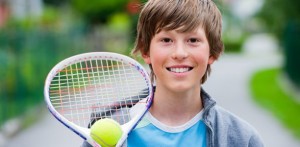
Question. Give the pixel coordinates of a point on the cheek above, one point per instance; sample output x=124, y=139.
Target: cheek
x=202, y=58
x=202, y=63
x=156, y=58
x=156, y=54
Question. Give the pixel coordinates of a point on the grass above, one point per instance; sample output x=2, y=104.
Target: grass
x=266, y=91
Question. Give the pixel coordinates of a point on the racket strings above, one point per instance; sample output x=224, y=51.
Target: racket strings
x=95, y=89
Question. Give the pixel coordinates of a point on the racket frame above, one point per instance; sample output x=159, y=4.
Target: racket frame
x=85, y=132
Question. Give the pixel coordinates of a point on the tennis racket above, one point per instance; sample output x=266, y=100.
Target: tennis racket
x=87, y=87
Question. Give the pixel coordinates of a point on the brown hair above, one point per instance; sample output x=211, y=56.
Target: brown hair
x=187, y=15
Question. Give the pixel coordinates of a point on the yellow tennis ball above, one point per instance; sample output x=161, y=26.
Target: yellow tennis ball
x=106, y=132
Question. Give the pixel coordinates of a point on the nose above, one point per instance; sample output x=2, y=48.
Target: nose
x=180, y=52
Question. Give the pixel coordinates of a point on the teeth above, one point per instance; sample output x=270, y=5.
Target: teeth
x=179, y=70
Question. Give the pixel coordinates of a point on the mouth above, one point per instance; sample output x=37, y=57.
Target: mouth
x=179, y=69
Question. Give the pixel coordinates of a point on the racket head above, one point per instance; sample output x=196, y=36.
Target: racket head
x=87, y=87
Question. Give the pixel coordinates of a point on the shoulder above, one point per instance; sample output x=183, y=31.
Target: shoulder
x=232, y=128
x=226, y=118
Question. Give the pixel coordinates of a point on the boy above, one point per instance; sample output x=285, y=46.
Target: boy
x=179, y=40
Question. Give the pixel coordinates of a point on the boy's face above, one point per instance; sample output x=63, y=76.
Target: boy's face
x=179, y=60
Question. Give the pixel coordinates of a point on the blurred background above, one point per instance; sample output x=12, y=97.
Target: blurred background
x=37, y=34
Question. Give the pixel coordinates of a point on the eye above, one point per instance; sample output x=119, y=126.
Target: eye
x=166, y=40
x=193, y=40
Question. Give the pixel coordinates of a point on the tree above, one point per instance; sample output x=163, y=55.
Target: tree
x=98, y=11
x=277, y=14
x=283, y=19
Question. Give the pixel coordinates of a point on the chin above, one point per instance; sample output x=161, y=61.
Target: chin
x=180, y=88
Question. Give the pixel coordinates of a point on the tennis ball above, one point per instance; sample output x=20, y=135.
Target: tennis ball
x=106, y=132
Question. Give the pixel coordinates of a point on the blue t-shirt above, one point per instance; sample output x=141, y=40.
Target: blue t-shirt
x=151, y=132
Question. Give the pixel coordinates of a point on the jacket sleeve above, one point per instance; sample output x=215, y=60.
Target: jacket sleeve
x=256, y=141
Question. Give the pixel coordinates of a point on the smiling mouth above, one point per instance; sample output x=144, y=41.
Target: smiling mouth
x=180, y=70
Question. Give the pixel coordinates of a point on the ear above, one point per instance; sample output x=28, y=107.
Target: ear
x=146, y=58
x=211, y=60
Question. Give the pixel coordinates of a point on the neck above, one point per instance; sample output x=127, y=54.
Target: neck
x=176, y=109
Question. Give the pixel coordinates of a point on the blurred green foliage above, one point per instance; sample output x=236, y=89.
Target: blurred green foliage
x=28, y=50
x=98, y=11
x=30, y=47
x=234, y=33
x=291, y=44
x=277, y=14
x=282, y=18
x=55, y=3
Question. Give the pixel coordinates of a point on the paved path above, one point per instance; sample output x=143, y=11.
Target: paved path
x=228, y=84
x=48, y=132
